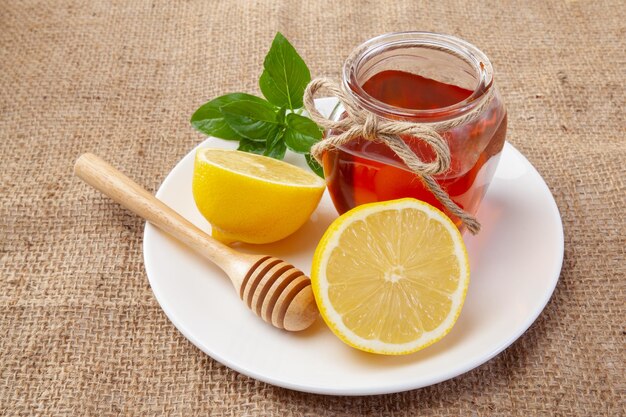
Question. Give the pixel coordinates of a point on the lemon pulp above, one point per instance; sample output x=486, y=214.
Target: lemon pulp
x=391, y=277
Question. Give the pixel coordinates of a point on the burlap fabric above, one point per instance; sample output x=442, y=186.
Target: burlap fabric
x=80, y=332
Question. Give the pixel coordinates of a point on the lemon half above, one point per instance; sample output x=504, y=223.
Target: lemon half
x=391, y=277
x=252, y=198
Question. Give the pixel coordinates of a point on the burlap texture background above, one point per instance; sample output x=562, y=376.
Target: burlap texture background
x=80, y=332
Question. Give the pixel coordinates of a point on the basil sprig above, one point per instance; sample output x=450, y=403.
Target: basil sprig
x=271, y=125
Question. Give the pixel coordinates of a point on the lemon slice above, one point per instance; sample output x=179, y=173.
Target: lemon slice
x=252, y=198
x=391, y=277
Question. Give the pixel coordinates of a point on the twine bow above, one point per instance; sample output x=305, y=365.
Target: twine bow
x=361, y=123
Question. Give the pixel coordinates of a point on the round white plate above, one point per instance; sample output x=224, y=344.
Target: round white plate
x=515, y=264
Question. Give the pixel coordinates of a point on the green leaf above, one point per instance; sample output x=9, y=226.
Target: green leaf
x=251, y=119
x=285, y=75
x=209, y=120
x=247, y=145
x=277, y=148
x=301, y=133
x=314, y=165
x=280, y=116
x=275, y=137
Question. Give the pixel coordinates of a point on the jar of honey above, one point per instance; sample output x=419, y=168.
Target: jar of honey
x=425, y=78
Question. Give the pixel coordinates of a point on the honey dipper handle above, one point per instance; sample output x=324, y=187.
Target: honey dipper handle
x=111, y=182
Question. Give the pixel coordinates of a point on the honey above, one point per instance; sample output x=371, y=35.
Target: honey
x=364, y=171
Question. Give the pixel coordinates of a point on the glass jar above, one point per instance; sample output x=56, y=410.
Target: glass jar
x=421, y=77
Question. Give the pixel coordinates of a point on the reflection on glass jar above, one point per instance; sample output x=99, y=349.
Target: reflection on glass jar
x=426, y=78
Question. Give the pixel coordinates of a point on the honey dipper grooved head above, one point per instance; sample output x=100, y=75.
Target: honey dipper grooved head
x=280, y=294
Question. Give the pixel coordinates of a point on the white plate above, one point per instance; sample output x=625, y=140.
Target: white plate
x=515, y=263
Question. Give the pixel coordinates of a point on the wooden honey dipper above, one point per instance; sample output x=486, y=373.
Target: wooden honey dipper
x=273, y=289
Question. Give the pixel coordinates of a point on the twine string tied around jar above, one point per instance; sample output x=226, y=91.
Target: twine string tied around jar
x=361, y=123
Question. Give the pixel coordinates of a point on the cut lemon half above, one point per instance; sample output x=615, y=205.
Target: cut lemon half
x=391, y=277
x=252, y=198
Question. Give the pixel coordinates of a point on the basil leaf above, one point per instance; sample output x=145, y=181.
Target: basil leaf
x=275, y=137
x=301, y=133
x=250, y=119
x=280, y=116
x=314, y=165
x=285, y=75
x=209, y=120
x=247, y=145
x=276, y=148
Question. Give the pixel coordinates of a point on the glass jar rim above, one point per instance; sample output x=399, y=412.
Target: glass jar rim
x=398, y=40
